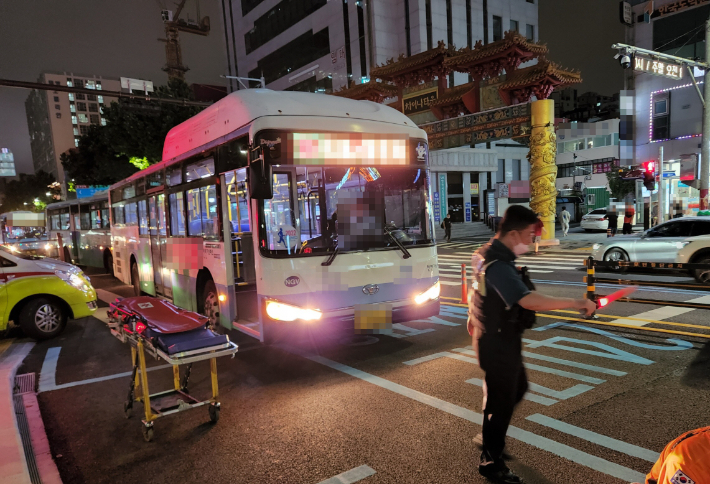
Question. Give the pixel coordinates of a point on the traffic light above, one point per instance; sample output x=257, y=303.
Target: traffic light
x=649, y=175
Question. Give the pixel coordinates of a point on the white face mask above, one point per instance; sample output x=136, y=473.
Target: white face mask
x=521, y=249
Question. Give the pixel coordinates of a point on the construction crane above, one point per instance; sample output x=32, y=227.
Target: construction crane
x=173, y=25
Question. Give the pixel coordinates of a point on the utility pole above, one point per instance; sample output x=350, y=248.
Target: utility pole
x=705, y=147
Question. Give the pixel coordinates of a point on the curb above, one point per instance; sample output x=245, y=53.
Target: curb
x=48, y=472
x=13, y=463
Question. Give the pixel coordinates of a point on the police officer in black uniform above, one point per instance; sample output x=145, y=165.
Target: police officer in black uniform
x=501, y=306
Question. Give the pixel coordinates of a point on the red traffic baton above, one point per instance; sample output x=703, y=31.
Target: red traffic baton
x=606, y=300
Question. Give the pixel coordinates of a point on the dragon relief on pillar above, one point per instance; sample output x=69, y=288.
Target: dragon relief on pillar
x=543, y=172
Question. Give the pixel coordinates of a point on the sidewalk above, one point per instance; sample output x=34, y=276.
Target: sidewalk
x=13, y=465
x=464, y=230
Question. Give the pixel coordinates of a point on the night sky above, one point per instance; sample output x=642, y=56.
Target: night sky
x=118, y=39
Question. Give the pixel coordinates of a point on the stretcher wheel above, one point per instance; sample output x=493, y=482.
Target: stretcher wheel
x=128, y=409
x=214, y=413
x=147, y=433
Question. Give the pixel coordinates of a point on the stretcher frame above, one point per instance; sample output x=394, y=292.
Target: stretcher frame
x=139, y=378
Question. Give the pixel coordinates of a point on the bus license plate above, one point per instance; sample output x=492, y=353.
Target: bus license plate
x=373, y=318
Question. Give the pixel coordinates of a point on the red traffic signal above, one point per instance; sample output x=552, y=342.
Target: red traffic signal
x=649, y=166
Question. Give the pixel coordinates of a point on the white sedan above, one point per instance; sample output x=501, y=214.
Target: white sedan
x=597, y=220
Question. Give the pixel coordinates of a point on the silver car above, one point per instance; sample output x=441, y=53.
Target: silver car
x=661, y=243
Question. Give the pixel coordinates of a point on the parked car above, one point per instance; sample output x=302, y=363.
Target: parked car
x=685, y=239
x=40, y=294
x=597, y=220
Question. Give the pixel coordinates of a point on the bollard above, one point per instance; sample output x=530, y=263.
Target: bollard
x=60, y=248
x=590, y=279
x=464, y=297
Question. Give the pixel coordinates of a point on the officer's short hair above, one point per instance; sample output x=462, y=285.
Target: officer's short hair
x=516, y=217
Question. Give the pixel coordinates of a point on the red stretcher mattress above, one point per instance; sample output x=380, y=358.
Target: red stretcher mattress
x=162, y=316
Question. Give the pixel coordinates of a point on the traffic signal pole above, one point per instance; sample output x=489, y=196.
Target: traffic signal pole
x=705, y=147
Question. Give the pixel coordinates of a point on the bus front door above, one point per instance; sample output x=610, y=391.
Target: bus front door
x=157, y=243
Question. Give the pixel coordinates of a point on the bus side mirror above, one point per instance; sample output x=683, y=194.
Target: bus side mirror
x=259, y=177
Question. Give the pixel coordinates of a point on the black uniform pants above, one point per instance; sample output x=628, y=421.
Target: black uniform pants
x=505, y=385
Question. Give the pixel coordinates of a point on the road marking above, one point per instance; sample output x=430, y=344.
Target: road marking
x=599, y=439
x=528, y=396
x=551, y=359
x=353, y=475
x=529, y=366
x=678, y=344
x=664, y=312
x=47, y=376
x=530, y=438
x=96, y=380
x=409, y=331
x=661, y=313
x=435, y=320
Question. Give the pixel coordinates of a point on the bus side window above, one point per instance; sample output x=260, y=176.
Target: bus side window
x=194, y=219
x=142, y=217
x=105, y=222
x=85, y=217
x=118, y=215
x=131, y=214
x=177, y=216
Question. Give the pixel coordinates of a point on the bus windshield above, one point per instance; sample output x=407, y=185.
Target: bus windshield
x=318, y=209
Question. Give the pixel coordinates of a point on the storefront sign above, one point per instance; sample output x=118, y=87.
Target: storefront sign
x=474, y=188
x=677, y=7
x=625, y=14
x=418, y=102
x=504, y=123
x=442, y=193
x=658, y=68
x=468, y=211
x=437, y=218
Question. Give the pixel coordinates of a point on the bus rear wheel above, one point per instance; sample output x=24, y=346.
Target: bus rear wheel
x=135, y=279
x=209, y=304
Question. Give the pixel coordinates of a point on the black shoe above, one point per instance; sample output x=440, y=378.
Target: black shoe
x=500, y=476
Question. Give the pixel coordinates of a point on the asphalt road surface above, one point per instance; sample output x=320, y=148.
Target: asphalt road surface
x=603, y=401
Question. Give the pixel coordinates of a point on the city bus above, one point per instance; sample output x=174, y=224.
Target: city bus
x=275, y=209
x=24, y=231
x=82, y=228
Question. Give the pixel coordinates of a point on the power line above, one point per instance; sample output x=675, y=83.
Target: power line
x=117, y=94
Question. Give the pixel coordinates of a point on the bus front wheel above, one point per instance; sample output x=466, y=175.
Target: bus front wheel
x=135, y=279
x=209, y=304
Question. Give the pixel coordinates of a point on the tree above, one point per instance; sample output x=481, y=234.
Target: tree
x=619, y=187
x=95, y=161
x=29, y=192
x=132, y=138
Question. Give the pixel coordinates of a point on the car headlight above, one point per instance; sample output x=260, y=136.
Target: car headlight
x=73, y=280
x=431, y=293
x=286, y=312
x=596, y=246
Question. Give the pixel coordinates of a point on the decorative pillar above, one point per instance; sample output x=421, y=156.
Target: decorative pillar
x=543, y=169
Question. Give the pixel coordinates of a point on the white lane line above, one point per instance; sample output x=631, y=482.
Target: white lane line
x=409, y=331
x=353, y=475
x=530, y=438
x=96, y=380
x=603, y=440
x=468, y=351
x=47, y=376
x=528, y=396
x=659, y=314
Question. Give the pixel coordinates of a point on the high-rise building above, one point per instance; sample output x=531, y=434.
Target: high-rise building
x=57, y=119
x=324, y=45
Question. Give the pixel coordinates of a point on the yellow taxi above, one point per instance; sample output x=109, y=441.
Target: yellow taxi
x=40, y=294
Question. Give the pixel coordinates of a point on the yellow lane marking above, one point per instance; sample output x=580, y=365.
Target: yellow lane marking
x=697, y=326
x=591, y=321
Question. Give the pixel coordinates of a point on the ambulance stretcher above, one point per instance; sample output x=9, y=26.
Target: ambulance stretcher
x=177, y=336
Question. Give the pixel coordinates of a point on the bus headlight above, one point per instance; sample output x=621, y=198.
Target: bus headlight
x=431, y=293
x=286, y=312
